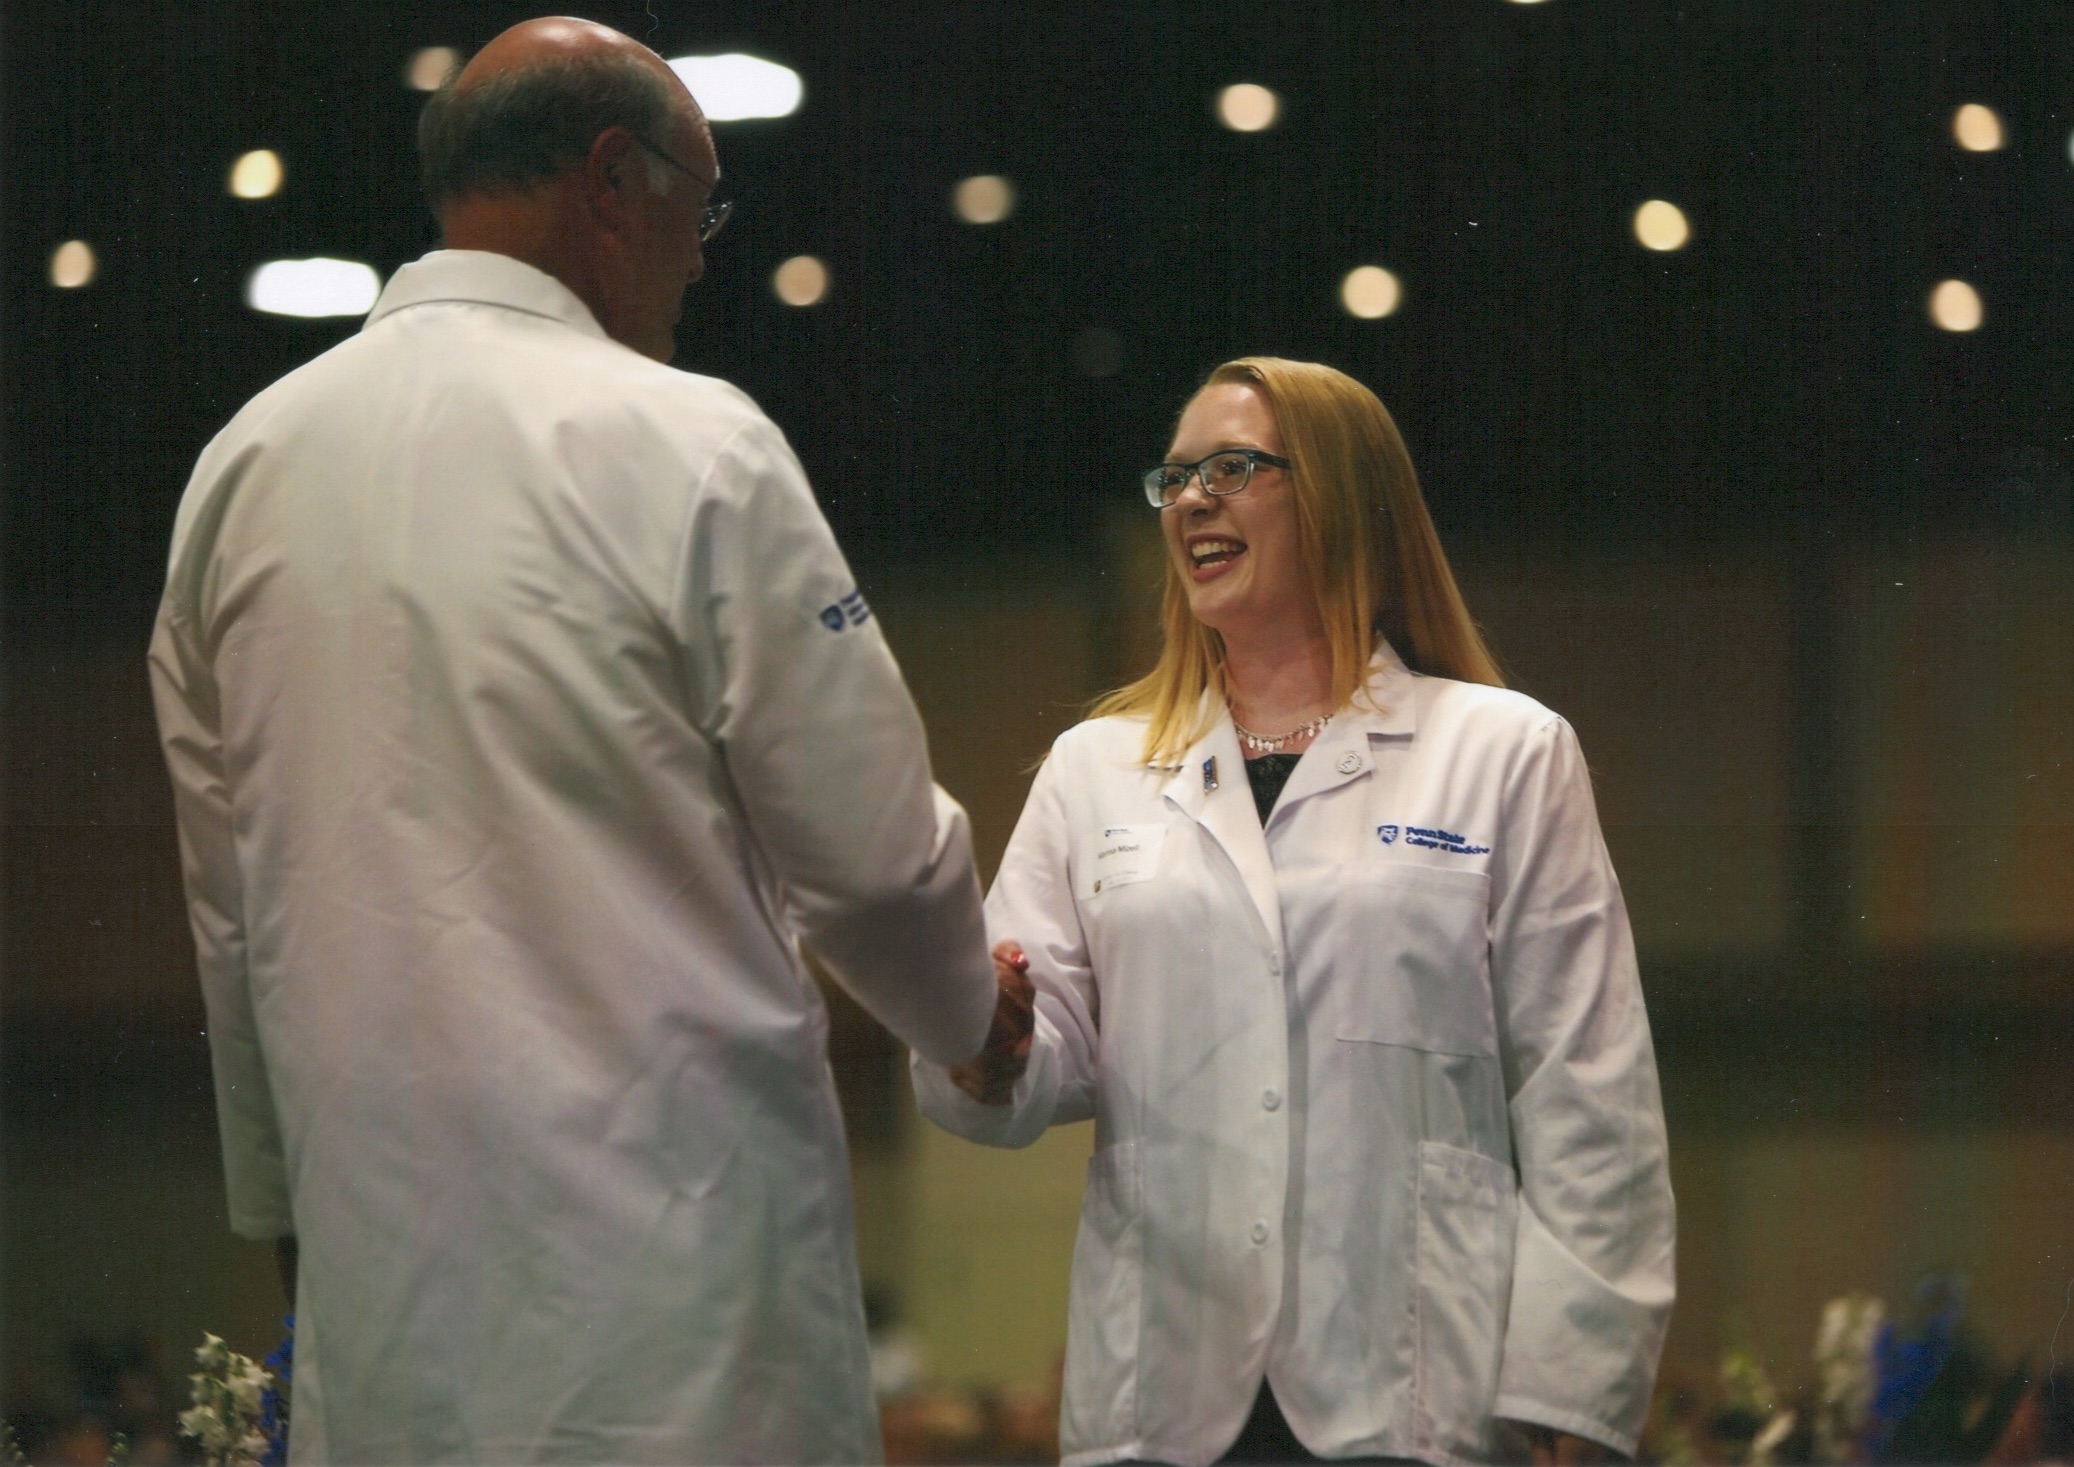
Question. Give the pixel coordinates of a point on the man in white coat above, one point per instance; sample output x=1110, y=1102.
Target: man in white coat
x=523, y=721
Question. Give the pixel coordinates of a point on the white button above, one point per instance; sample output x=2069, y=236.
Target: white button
x=1348, y=763
x=1271, y=1098
x=1260, y=1232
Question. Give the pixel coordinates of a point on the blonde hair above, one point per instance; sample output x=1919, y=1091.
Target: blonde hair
x=1367, y=547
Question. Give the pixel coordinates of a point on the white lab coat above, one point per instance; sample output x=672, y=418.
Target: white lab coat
x=1375, y=1106
x=522, y=719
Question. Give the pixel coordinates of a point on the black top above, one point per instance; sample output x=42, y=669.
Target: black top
x=1267, y=774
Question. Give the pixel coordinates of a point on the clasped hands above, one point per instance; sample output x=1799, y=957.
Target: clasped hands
x=989, y=1077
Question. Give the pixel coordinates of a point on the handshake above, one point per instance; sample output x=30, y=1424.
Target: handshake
x=989, y=1077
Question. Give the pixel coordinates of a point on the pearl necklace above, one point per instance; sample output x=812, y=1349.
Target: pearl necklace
x=1262, y=744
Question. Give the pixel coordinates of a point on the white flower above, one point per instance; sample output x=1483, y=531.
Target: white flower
x=246, y=1382
x=1846, y=1373
x=225, y=1417
x=201, y=1423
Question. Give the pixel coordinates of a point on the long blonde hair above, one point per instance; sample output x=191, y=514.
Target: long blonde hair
x=1368, y=551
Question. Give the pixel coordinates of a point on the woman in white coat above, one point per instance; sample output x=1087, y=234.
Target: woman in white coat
x=1325, y=940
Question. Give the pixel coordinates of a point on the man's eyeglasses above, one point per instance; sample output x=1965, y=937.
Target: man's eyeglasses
x=715, y=215
x=1226, y=471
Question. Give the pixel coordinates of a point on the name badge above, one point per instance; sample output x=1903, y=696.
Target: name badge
x=1118, y=855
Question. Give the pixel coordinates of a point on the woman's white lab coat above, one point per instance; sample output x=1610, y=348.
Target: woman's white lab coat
x=1375, y=1105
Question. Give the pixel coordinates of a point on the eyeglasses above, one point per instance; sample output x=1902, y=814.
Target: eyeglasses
x=715, y=215
x=1226, y=471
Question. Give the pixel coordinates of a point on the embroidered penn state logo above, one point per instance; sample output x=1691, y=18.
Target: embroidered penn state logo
x=1387, y=834
x=846, y=611
x=1448, y=842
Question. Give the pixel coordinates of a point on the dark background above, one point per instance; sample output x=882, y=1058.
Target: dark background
x=1775, y=378
x=1771, y=397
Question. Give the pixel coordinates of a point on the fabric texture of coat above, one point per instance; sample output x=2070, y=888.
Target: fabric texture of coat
x=1375, y=1103
x=523, y=720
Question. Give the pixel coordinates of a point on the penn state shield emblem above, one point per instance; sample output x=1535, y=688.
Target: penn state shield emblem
x=1387, y=834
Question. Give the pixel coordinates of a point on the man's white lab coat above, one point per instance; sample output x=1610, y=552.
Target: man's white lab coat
x=1375, y=1104
x=522, y=716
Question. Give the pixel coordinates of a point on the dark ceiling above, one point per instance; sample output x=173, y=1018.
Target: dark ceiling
x=1777, y=377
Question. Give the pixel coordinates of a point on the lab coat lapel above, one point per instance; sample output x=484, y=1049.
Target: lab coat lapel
x=1226, y=811
x=1345, y=751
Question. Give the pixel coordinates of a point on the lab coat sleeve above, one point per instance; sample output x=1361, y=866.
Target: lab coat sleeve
x=190, y=729
x=1032, y=903
x=1593, y=1276
x=793, y=680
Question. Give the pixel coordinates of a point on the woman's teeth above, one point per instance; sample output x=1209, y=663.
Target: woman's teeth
x=1209, y=552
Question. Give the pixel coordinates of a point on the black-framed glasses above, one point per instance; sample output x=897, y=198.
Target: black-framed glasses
x=713, y=218
x=1226, y=471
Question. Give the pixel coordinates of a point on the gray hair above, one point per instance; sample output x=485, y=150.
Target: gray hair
x=522, y=127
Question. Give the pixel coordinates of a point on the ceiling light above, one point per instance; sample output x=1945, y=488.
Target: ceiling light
x=733, y=87
x=318, y=287
x=1661, y=226
x=1370, y=292
x=801, y=281
x=985, y=199
x=1248, y=108
x=72, y=265
x=1977, y=128
x=256, y=175
x=427, y=70
x=1955, y=306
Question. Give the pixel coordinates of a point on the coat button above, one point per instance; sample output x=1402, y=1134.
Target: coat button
x=1348, y=763
x=1271, y=1098
x=1260, y=1232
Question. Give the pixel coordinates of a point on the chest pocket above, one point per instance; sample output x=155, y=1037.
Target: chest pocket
x=1417, y=968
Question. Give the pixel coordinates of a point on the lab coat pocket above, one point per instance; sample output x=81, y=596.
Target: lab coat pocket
x=1419, y=939
x=1105, y=1308
x=1468, y=1210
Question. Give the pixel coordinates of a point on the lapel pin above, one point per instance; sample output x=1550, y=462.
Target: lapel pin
x=1209, y=774
x=1349, y=762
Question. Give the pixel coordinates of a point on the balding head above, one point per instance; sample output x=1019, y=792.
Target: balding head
x=531, y=103
x=569, y=146
x=554, y=36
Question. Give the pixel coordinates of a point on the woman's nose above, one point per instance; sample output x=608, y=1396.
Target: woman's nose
x=1193, y=496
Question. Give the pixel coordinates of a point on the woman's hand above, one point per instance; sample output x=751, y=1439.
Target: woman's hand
x=989, y=1077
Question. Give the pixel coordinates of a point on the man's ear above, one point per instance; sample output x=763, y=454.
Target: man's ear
x=612, y=173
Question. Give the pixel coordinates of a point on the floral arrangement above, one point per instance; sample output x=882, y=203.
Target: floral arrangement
x=1918, y=1389
x=240, y=1412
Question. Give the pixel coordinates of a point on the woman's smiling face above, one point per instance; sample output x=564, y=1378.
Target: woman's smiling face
x=1237, y=553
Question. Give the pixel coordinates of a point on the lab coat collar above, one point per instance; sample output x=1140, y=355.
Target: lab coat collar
x=1212, y=790
x=487, y=279
x=1211, y=787
x=1345, y=750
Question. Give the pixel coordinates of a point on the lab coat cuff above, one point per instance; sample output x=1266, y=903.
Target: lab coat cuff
x=1573, y=1337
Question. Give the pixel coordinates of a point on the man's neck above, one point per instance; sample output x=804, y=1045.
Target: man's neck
x=531, y=228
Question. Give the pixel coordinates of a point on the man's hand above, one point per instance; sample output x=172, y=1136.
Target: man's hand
x=989, y=1077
